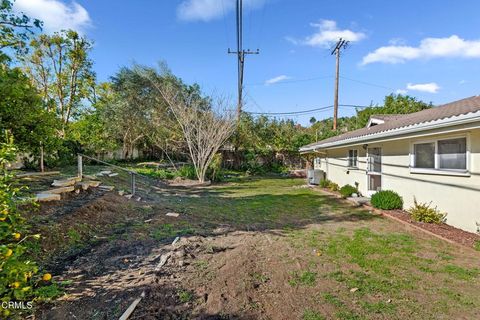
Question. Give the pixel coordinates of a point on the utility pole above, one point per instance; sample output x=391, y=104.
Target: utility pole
x=240, y=56
x=336, y=51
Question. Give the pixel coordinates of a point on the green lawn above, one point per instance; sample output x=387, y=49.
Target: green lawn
x=360, y=265
x=328, y=259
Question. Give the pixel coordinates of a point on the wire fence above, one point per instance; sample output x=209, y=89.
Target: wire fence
x=124, y=179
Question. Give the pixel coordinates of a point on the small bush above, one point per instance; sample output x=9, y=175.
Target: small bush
x=347, y=190
x=476, y=245
x=187, y=172
x=423, y=212
x=333, y=186
x=324, y=183
x=387, y=200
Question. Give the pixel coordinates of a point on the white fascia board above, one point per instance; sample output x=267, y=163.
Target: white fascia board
x=436, y=124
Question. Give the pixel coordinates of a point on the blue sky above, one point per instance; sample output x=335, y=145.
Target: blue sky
x=429, y=49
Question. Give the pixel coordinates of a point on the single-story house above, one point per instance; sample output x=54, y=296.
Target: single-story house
x=432, y=155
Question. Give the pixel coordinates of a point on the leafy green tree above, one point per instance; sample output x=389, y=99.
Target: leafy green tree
x=393, y=104
x=22, y=113
x=92, y=129
x=60, y=67
x=15, y=29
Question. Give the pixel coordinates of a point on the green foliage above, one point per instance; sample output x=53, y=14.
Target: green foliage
x=18, y=280
x=22, y=113
x=387, y=200
x=393, y=104
x=312, y=315
x=324, y=183
x=15, y=29
x=162, y=174
x=476, y=245
x=423, y=212
x=306, y=278
x=61, y=69
x=347, y=190
x=333, y=186
x=185, y=296
x=187, y=172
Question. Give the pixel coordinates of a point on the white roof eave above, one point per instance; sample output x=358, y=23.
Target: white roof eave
x=435, y=124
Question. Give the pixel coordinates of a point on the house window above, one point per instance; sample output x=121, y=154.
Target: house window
x=424, y=155
x=353, y=158
x=318, y=161
x=452, y=154
x=448, y=154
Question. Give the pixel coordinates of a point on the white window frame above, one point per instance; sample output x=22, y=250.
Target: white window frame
x=436, y=169
x=355, y=166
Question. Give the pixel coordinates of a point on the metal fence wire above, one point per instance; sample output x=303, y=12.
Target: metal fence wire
x=123, y=179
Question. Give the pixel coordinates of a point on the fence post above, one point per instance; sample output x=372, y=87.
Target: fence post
x=133, y=182
x=80, y=165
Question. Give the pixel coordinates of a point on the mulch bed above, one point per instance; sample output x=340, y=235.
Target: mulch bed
x=444, y=230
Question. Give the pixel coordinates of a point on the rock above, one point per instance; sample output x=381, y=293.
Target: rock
x=107, y=188
x=354, y=195
x=113, y=174
x=63, y=183
x=61, y=190
x=353, y=289
x=172, y=214
x=180, y=253
x=181, y=263
x=121, y=192
x=104, y=173
x=76, y=179
x=44, y=197
x=89, y=177
x=128, y=196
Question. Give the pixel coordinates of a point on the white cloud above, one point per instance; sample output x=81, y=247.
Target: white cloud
x=401, y=91
x=277, y=79
x=431, y=87
x=462, y=82
x=326, y=34
x=206, y=10
x=453, y=46
x=55, y=14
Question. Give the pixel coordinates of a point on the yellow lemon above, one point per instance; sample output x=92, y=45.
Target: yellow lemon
x=47, y=277
x=8, y=253
x=2, y=218
x=16, y=235
x=16, y=284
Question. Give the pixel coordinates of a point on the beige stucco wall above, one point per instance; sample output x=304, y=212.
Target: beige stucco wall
x=459, y=196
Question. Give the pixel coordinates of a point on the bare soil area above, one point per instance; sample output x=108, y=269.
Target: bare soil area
x=255, y=249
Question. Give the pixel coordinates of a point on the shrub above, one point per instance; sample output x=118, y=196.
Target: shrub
x=18, y=273
x=347, y=190
x=476, y=245
x=387, y=200
x=187, y=172
x=333, y=186
x=423, y=212
x=324, y=183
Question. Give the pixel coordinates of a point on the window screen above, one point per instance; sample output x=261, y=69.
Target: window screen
x=352, y=158
x=424, y=155
x=452, y=154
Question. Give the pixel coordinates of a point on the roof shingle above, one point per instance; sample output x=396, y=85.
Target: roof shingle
x=392, y=122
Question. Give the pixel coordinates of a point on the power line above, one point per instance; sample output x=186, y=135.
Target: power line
x=368, y=83
x=289, y=81
x=303, y=112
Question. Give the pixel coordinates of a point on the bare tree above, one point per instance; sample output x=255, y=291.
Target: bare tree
x=206, y=124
